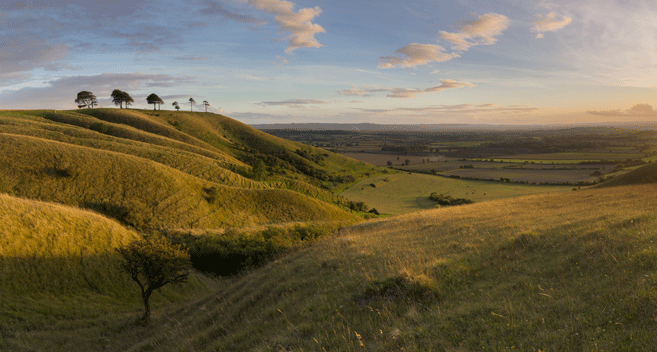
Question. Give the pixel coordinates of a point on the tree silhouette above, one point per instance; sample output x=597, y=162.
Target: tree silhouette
x=86, y=99
x=127, y=99
x=176, y=106
x=153, y=263
x=117, y=97
x=206, y=104
x=154, y=99
x=191, y=103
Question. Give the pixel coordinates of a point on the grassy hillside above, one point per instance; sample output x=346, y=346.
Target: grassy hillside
x=404, y=193
x=646, y=174
x=59, y=272
x=559, y=272
x=152, y=169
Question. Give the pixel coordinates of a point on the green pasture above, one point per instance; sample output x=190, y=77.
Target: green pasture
x=404, y=193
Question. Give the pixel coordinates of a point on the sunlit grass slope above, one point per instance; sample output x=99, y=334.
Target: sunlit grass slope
x=404, y=193
x=571, y=271
x=153, y=169
x=142, y=193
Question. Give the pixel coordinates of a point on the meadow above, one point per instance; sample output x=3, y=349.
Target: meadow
x=559, y=272
x=402, y=193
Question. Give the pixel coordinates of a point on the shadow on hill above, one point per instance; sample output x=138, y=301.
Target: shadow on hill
x=644, y=175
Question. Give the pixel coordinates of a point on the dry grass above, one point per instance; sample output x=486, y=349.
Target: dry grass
x=570, y=271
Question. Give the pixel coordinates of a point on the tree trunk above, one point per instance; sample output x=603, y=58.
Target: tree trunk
x=154, y=106
x=146, y=295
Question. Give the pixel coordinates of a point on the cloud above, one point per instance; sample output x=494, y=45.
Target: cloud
x=362, y=92
x=19, y=56
x=211, y=7
x=416, y=54
x=636, y=110
x=60, y=93
x=298, y=24
x=403, y=93
x=280, y=61
x=434, y=72
x=356, y=102
x=454, y=110
x=481, y=31
x=192, y=58
x=293, y=103
x=549, y=23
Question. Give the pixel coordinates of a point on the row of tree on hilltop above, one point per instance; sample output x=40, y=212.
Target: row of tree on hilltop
x=87, y=99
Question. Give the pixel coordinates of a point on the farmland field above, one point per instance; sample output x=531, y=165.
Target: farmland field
x=404, y=193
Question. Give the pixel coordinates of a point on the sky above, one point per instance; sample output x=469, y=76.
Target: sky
x=340, y=61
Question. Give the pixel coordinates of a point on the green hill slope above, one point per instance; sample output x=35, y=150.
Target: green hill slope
x=646, y=174
x=143, y=193
x=152, y=169
x=563, y=272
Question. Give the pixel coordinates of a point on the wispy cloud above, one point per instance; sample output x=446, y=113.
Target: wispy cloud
x=549, y=23
x=458, y=109
x=280, y=61
x=60, y=93
x=403, y=93
x=211, y=7
x=293, y=103
x=365, y=91
x=298, y=24
x=193, y=58
x=416, y=54
x=636, y=110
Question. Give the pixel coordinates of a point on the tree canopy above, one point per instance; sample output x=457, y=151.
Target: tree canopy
x=176, y=106
x=191, y=103
x=153, y=263
x=119, y=97
x=86, y=99
x=154, y=99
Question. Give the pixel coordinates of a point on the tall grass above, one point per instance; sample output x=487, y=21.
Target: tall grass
x=558, y=272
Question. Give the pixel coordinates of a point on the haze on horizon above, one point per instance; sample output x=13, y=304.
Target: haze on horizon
x=307, y=61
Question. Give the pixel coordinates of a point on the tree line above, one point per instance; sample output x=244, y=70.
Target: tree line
x=86, y=99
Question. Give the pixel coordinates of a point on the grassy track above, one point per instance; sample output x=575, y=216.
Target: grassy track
x=405, y=193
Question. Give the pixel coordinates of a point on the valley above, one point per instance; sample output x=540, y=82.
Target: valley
x=288, y=253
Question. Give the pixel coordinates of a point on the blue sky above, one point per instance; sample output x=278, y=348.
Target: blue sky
x=273, y=61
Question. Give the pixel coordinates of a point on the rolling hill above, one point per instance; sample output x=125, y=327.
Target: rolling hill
x=151, y=169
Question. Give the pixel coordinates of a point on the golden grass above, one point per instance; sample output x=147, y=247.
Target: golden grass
x=568, y=271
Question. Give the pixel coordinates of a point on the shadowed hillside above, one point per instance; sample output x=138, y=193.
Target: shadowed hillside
x=646, y=174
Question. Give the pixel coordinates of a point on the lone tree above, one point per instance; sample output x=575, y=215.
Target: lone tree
x=176, y=106
x=191, y=103
x=206, y=104
x=119, y=97
x=86, y=99
x=154, y=99
x=153, y=263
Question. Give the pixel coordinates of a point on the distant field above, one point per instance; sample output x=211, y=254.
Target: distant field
x=397, y=160
x=528, y=175
x=405, y=193
x=573, y=156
